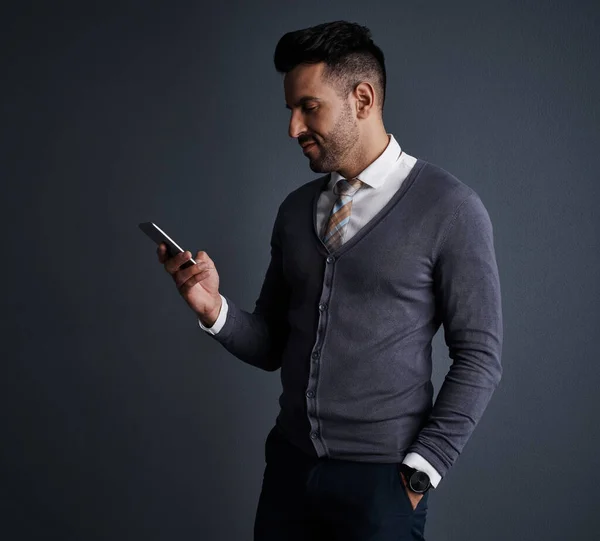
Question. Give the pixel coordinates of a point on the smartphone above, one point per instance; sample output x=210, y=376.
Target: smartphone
x=159, y=236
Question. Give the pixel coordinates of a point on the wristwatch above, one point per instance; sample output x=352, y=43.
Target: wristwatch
x=417, y=481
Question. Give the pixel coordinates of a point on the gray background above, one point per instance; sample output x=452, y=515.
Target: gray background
x=120, y=419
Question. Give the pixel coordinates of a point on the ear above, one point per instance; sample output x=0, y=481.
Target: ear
x=365, y=99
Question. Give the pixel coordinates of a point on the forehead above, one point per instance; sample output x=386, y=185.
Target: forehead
x=305, y=80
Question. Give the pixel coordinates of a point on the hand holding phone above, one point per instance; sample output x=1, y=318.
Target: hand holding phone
x=160, y=237
x=197, y=280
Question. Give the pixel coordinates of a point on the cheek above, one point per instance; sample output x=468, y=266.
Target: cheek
x=319, y=125
x=317, y=131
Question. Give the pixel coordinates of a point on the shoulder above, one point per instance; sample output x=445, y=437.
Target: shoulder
x=441, y=186
x=440, y=194
x=441, y=202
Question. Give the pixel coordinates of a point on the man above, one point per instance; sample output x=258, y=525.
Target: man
x=367, y=262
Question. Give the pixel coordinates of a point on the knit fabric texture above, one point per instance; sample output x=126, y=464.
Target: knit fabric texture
x=351, y=330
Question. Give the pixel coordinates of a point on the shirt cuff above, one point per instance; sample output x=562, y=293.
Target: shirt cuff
x=416, y=461
x=217, y=325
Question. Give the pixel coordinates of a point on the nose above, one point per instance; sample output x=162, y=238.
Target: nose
x=297, y=125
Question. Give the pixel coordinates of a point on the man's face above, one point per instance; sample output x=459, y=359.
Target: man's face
x=320, y=116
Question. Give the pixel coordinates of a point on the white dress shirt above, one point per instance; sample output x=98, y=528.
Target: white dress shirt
x=381, y=179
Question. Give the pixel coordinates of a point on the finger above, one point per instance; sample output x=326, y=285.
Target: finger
x=162, y=252
x=202, y=256
x=183, y=275
x=186, y=284
x=172, y=264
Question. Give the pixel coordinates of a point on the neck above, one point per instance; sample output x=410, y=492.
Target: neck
x=373, y=147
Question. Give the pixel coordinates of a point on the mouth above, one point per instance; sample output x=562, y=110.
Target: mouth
x=307, y=148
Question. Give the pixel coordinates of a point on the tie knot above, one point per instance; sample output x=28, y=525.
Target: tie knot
x=347, y=187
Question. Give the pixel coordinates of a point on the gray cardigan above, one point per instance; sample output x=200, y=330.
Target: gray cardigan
x=351, y=330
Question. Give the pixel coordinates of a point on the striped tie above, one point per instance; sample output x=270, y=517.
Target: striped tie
x=340, y=213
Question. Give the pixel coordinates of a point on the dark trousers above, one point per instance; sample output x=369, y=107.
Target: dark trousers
x=311, y=499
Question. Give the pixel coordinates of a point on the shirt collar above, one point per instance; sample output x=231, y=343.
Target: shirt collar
x=375, y=173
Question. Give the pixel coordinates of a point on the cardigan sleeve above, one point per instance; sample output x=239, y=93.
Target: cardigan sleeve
x=468, y=302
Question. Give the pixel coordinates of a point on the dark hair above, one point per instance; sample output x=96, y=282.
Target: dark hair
x=347, y=50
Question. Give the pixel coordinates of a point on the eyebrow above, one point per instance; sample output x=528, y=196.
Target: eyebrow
x=302, y=101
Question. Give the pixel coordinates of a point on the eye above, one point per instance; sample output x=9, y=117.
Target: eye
x=307, y=109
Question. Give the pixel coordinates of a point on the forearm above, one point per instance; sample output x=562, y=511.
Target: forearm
x=251, y=337
x=467, y=289
x=459, y=406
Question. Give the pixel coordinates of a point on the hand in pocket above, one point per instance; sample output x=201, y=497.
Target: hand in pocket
x=412, y=496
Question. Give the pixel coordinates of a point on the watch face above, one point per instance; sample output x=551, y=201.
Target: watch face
x=419, y=482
